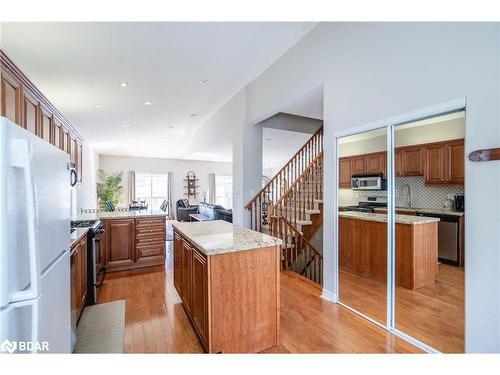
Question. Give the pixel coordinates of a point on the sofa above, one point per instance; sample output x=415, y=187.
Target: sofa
x=223, y=214
x=183, y=209
x=207, y=210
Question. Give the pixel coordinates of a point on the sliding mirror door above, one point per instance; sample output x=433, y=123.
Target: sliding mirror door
x=362, y=223
x=429, y=231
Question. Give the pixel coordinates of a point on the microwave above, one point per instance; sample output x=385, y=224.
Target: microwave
x=373, y=181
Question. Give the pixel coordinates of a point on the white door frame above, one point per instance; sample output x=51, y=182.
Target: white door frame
x=389, y=123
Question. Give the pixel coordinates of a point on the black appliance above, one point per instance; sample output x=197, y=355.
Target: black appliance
x=459, y=202
x=448, y=237
x=95, y=261
x=368, y=204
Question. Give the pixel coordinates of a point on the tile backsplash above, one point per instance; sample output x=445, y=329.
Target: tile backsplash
x=421, y=196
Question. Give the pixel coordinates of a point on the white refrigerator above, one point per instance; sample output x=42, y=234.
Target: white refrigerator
x=34, y=244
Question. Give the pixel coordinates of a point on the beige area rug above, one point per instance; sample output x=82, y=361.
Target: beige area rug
x=101, y=328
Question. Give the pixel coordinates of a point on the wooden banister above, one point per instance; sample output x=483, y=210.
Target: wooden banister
x=272, y=192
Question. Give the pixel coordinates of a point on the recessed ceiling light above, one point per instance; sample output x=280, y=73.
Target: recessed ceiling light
x=126, y=126
x=204, y=82
x=170, y=127
x=98, y=105
x=123, y=84
x=192, y=115
x=147, y=103
x=269, y=139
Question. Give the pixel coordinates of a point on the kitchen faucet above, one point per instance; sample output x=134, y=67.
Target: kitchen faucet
x=408, y=195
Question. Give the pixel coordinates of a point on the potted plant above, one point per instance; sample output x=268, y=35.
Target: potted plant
x=109, y=188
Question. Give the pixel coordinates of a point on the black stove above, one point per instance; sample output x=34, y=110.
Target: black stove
x=368, y=204
x=84, y=224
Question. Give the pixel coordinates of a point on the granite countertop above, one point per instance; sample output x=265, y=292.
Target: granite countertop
x=121, y=214
x=77, y=235
x=400, y=219
x=219, y=237
x=438, y=211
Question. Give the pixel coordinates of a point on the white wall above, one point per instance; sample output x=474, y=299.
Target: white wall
x=86, y=194
x=179, y=168
x=372, y=71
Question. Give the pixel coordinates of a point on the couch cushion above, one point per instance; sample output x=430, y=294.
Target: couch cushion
x=207, y=210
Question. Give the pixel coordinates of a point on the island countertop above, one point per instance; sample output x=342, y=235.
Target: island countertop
x=133, y=214
x=400, y=219
x=219, y=237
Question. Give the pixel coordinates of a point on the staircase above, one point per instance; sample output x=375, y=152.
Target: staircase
x=290, y=207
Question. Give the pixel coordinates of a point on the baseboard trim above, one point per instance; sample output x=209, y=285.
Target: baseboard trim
x=328, y=296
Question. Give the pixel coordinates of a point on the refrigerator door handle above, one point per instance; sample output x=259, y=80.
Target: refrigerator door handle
x=21, y=158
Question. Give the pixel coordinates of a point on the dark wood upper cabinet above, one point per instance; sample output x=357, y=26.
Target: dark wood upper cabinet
x=345, y=173
x=22, y=103
x=358, y=164
x=119, y=242
x=456, y=162
x=444, y=163
x=376, y=163
x=409, y=161
x=31, y=113
x=10, y=98
x=47, y=132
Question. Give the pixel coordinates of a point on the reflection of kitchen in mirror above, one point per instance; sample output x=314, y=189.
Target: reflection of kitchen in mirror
x=363, y=234
x=429, y=184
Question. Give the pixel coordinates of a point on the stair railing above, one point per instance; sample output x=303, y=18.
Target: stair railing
x=299, y=255
x=279, y=184
x=301, y=196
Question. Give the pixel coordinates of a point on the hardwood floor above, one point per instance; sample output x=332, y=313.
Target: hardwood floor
x=432, y=314
x=155, y=321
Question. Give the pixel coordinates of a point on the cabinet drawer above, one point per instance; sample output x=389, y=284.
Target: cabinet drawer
x=150, y=221
x=150, y=230
x=150, y=240
x=144, y=252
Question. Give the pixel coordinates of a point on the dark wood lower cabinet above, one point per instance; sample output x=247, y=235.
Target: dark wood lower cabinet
x=78, y=277
x=231, y=299
x=133, y=243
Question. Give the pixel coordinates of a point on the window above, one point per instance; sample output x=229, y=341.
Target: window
x=224, y=190
x=151, y=188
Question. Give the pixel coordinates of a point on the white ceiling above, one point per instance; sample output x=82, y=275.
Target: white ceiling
x=79, y=65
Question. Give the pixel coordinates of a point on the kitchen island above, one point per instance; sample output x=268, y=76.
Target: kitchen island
x=228, y=279
x=132, y=239
x=363, y=247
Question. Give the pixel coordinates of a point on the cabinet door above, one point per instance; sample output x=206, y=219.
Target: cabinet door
x=345, y=173
x=455, y=162
x=31, y=113
x=46, y=126
x=375, y=163
x=177, y=261
x=57, y=137
x=74, y=284
x=73, y=149
x=358, y=164
x=398, y=162
x=120, y=242
x=10, y=98
x=412, y=161
x=435, y=160
x=199, y=299
x=65, y=139
x=186, y=271
x=83, y=272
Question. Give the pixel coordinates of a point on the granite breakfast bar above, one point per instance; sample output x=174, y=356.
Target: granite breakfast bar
x=365, y=255
x=228, y=279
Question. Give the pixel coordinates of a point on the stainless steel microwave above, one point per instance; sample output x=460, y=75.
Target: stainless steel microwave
x=367, y=181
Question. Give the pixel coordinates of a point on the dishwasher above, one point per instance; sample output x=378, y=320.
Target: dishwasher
x=448, y=237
